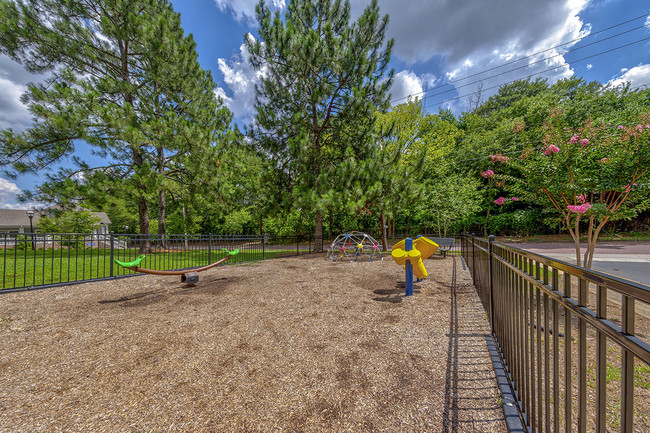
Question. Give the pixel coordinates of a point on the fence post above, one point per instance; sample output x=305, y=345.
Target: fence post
x=473, y=261
x=490, y=240
x=263, y=244
x=210, y=249
x=112, y=249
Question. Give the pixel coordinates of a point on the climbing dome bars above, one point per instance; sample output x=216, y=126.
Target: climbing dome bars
x=354, y=245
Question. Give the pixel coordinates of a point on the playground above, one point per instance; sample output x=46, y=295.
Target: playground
x=298, y=344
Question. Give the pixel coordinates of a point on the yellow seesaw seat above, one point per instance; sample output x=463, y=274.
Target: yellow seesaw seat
x=423, y=248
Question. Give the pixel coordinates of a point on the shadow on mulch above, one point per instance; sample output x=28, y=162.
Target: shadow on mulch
x=395, y=295
x=210, y=285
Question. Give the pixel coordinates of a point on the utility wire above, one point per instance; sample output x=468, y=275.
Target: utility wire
x=534, y=63
x=539, y=73
x=531, y=55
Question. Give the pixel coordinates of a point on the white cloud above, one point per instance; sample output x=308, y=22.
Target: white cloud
x=589, y=66
x=13, y=114
x=241, y=78
x=13, y=83
x=638, y=76
x=9, y=195
x=245, y=9
x=471, y=36
x=407, y=84
x=457, y=30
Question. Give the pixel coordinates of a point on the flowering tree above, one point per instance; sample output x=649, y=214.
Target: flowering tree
x=590, y=174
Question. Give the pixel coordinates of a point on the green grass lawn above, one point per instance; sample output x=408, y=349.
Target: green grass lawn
x=27, y=268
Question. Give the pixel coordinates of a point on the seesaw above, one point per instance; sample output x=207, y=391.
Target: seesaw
x=188, y=276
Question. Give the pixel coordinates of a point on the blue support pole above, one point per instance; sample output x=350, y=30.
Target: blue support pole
x=409, y=269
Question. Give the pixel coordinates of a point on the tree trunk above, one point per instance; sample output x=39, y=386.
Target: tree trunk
x=187, y=246
x=384, y=241
x=331, y=239
x=143, y=213
x=143, y=205
x=162, y=217
x=576, y=239
x=162, y=201
x=261, y=229
x=318, y=236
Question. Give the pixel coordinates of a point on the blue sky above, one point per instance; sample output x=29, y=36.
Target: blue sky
x=436, y=41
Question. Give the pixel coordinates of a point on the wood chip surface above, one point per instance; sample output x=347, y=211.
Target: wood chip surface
x=296, y=344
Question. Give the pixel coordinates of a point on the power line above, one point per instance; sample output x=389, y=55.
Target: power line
x=538, y=73
x=534, y=54
x=534, y=63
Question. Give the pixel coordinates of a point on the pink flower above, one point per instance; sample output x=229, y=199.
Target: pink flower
x=499, y=158
x=639, y=128
x=629, y=187
x=604, y=160
x=575, y=138
x=552, y=149
x=579, y=209
x=620, y=126
x=581, y=198
x=584, y=142
x=500, y=200
x=515, y=199
x=487, y=174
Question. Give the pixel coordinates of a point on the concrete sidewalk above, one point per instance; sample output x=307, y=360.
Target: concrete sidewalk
x=629, y=260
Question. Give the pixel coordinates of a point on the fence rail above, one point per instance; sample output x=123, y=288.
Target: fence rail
x=46, y=259
x=52, y=259
x=574, y=341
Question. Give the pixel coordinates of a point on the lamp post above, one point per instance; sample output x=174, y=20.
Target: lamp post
x=30, y=214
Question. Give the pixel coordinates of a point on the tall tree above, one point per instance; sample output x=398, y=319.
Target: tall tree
x=121, y=77
x=325, y=77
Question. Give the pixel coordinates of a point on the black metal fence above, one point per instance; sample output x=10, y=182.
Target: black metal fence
x=39, y=260
x=574, y=341
x=42, y=260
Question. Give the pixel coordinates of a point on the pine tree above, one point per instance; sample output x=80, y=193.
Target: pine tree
x=122, y=77
x=324, y=78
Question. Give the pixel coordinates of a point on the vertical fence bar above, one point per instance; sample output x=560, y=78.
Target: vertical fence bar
x=556, y=354
x=568, y=366
x=538, y=336
x=4, y=262
x=601, y=361
x=210, y=249
x=473, y=260
x=112, y=253
x=25, y=261
x=547, y=361
x=521, y=325
x=627, y=373
x=533, y=421
x=582, y=360
x=490, y=270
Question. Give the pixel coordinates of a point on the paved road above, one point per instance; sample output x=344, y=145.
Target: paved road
x=630, y=260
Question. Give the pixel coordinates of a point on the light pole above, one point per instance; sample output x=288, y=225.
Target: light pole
x=30, y=214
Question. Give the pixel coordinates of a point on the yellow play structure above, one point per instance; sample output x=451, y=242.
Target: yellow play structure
x=423, y=248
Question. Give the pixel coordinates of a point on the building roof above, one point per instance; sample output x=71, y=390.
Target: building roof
x=18, y=217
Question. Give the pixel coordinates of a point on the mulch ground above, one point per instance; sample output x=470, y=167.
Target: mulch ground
x=288, y=345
